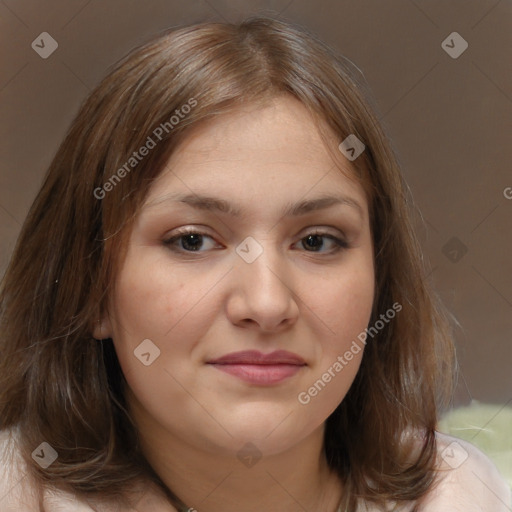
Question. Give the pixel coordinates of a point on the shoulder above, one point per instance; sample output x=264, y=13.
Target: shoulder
x=467, y=480
x=18, y=492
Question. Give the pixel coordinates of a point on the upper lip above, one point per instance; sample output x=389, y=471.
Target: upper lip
x=255, y=357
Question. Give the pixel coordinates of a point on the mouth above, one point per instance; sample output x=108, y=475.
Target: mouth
x=260, y=369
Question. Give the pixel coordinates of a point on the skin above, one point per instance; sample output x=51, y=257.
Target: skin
x=199, y=305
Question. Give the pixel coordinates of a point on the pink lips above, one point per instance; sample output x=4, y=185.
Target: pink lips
x=257, y=368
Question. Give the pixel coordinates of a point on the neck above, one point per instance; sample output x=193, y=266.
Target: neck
x=212, y=480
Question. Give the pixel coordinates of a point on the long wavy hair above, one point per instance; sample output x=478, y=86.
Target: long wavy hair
x=60, y=385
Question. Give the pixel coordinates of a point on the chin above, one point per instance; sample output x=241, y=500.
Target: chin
x=271, y=430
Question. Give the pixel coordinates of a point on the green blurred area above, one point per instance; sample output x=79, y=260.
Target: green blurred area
x=488, y=427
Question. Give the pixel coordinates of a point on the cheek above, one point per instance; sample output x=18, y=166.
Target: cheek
x=344, y=303
x=171, y=309
x=152, y=301
x=342, y=306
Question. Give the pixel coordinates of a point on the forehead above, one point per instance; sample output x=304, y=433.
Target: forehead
x=257, y=152
x=273, y=130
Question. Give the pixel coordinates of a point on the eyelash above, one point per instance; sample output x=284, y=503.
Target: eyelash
x=340, y=244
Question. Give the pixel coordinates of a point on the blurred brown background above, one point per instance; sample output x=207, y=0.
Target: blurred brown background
x=450, y=120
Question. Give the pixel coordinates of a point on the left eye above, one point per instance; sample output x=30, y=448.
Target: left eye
x=315, y=242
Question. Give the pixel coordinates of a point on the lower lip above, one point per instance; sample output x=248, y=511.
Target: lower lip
x=262, y=374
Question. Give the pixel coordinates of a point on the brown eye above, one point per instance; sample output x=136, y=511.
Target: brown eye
x=315, y=242
x=189, y=241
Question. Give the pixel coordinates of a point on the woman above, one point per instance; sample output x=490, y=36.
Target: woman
x=217, y=301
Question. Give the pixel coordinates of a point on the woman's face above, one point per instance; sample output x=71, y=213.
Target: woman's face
x=251, y=243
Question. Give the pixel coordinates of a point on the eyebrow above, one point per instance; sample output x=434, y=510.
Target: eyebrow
x=215, y=204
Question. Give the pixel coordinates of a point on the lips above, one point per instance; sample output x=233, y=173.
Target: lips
x=254, y=357
x=260, y=369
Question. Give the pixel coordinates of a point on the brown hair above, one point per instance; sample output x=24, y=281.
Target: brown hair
x=59, y=385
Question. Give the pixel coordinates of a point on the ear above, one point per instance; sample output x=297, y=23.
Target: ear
x=102, y=328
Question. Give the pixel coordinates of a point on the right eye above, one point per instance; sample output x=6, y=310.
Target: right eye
x=189, y=241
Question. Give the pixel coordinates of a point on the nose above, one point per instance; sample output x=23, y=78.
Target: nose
x=262, y=296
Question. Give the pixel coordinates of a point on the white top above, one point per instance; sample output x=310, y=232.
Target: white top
x=471, y=483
